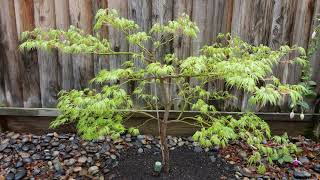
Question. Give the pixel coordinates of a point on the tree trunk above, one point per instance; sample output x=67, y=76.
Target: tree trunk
x=163, y=126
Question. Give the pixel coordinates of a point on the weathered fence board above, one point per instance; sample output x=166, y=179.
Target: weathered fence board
x=24, y=12
x=34, y=79
x=65, y=60
x=44, y=14
x=12, y=62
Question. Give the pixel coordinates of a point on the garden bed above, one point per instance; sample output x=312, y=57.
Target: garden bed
x=65, y=156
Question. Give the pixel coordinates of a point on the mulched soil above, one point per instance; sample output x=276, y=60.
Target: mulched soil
x=185, y=164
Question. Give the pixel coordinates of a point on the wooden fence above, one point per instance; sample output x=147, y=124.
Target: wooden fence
x=34, y=79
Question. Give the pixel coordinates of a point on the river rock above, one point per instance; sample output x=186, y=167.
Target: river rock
x=93, y=170
x=301, y=174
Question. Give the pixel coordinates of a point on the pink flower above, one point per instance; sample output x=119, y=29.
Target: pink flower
x=296, y=163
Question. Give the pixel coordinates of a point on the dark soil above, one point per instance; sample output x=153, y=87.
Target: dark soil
x=185, y=164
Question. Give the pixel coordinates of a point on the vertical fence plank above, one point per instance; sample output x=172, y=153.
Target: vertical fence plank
x=117, y=39
x=3, y=101
x=300, y=34
x=13, y=66
x=62, y=19
x=221, y=23
x=140, y=12
x=82, y=17
x=162, y=12
x=181, y=45
x=282, y=25
x=44, y=14
x=24, y=12
x=100, y=62
x=314, y=61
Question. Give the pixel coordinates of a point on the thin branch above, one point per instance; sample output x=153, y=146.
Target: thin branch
x=145, y=122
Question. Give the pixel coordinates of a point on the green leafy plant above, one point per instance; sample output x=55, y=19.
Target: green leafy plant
x=239, y=64
x=261, y=169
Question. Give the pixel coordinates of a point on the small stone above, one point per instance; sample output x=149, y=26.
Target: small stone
x=301, y=174
x=128, y=139
x=19, y=164
x=61, y=147
x=148, y=146
x=57, y=166
x=24, y=155
x=77, y=169
x=317, y=168
x=119, y=146
x=106, y=170
x=89, y=160
x=15, y=136
x=143, y=141
x=227, y=156
x=232, y=162
x=36, y=171
x=25, y=148
x=246, y=172
x=113, y=156
x=20, y=174
x=10, y=176
x=213, y=159
x=243, y=154
x=304, y=160
x=55, y=143
x=70, y=162
x=197, y=149
x=49, y=163
x=140, y=137
x=140, y=150
x=115, y=164
x=3, y=146
x=36, y=157
x=181, y=143
x=82, y=159
x=55, y=153
x=27, y=160
x=93, y=170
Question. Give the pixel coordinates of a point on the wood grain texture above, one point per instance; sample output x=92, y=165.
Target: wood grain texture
x=100, y=62
x=181, y=45
x=281, y=31
x=44, y=13
x=221, y=23
x=3, y=101
x=12, y=60
x=24, y=12
x=34, y=79
x=140, y=11
x=62, y=18
x=82, y=17
x=300, y=35
x=314, y=61
x=117, y=38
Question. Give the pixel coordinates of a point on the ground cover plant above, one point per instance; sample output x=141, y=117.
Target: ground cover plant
x=239, y=64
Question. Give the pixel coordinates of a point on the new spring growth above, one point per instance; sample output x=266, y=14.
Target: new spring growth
x=292, y=115
x=302, y=116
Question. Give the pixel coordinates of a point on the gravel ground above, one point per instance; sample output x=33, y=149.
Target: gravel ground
x=66, y=156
